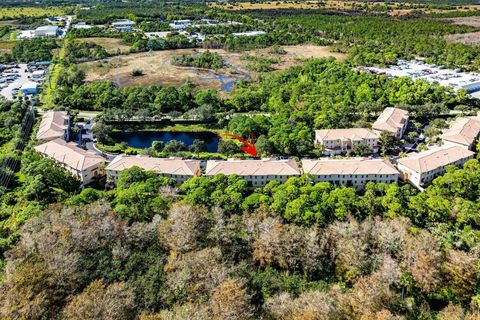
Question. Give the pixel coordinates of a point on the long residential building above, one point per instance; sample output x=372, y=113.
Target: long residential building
x=54, y=125
x=421, y=168
x=175, y=168
x=83, y=164
x=354, y=172
x=257, y=173
x=337, y=141
x=463, y=131
x=392, y=120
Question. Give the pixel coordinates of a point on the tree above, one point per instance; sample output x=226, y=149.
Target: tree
x=362, y=150
x=158, y=146
x=197, y=146
x=387, y=142
x=99, y=301
x=102, y=131
x=228, y=147
x=174, y=146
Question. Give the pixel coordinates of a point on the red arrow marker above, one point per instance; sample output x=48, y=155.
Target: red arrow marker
x=248, y=147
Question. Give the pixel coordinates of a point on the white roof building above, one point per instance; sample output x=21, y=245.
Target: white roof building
x=47, y=31
x=175, y=168
x=257, y=173
x=85, y=165
x=353, y=172
x=123, y=23
x=55, y=124
x=82, y=25
x=248, y=34
x=463, y=131
x=421, y=168
x=336, y=141
x=392, y=120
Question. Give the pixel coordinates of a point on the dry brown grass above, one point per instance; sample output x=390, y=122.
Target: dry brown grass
x=110, y=44
x=157, y=67
x=471, y=38
x=6, y=46
x=473, y=21
x=396, y=8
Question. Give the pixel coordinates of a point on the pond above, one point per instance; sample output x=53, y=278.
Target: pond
x=144, y=139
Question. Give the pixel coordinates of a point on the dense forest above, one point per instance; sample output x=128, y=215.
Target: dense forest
x=212, y=248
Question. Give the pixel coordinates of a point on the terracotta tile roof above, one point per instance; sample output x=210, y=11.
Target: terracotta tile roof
x=435, y=158
x=264, y=167
x=69, y=154
x=463, y=131
x=391, y=119
x=52, y=125
x=352, y=166
x=345, y=134
x=174, y=166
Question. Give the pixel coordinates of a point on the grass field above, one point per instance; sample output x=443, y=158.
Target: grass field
x=394, y=8
x=157, y=67
x=17, y=12
x=6, y=46
x=110, y=44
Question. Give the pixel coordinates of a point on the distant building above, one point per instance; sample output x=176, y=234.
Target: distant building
x=463, y=132
x=123, y=25
x=356, y=172
x=180, y=24
x=392, y=120
x=28, y=88
x=248, y=34
x=25, y=34
x=48, y=31
x=158, y=34
x=175, y=168
x=86, y=166
x=421, y=168
x=54, y=125
x=336, y=141
x=82, y=25
x=257, y=173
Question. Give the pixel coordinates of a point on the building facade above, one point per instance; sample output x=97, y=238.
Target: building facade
x=85, y=165
x=393, y=121
x=421, y=168
x=337, y=141
x=48, y=31
x=54, y=125
x=354, y=172
x=175, y=168
x=463, y=131
x=257, y=173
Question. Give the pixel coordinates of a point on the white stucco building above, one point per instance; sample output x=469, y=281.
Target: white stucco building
x=463, y=131
x=336, y=141
x=175, y=168
x=257, y=173
x=392, y=120
x=421, y=168
x=54, y=125
x=85, y=165
x=354, y=172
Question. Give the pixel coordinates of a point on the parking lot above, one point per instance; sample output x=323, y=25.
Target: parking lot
x=16, y=76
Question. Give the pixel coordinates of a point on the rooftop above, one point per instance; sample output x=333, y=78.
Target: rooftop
x=342, y=134
x=352, y=166
x=69, y=154
x=173, y=166
x=53, y=125
x=47, y=28
x=264, y=167
x=462, y=130
x=435, y=158
x=391, y=119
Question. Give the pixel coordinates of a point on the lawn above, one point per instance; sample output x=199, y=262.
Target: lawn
x=18, y=12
